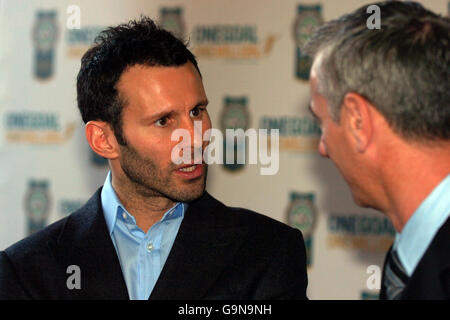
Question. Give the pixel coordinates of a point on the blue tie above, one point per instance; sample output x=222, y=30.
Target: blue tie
x=395, y=277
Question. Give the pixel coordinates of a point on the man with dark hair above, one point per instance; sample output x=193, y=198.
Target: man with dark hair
x=382, y=97
x=152, y=231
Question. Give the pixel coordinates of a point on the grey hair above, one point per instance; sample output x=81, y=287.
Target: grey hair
x=402, y=68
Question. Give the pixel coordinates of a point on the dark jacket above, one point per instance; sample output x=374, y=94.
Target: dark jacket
x=431, y=278
x=219, y=253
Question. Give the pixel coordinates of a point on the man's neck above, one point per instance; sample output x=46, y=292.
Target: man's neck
x=146, y=208
x=409, y=178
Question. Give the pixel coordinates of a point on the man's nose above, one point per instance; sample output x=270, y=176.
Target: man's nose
x=195, y=129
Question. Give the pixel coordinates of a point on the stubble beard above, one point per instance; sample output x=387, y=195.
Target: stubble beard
x=149, y=180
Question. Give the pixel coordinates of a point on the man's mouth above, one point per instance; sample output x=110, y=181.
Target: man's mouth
x=188, y=169
x=191, y=171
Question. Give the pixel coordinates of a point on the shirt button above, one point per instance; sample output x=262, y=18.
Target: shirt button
x=124, y=215
x=149, y=247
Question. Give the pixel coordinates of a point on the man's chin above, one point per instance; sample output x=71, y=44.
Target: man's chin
x=188, y=196
x=189, y=192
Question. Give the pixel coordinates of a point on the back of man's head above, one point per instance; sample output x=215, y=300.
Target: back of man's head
x=402, y=68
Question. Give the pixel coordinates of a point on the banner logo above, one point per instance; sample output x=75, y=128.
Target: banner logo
x=44, y=35
x=235, y=115
x=308, y=18
x=36, y=127
x=37, y=205
x=302, y=214
x=78, y=41
x=359, y=232
x=231, y=42
x=297, y=134
x=172, y=20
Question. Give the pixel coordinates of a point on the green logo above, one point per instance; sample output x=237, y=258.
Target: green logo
x=37, y=205
x=172, y=20
x=302, y=214
x=366, y=295
x=308, y=18
x=234, y=116
x=45, y=33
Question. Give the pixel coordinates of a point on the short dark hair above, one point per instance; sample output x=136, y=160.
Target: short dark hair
x=402, y=69
x=138, y=42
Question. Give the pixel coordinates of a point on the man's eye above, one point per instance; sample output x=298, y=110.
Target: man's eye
x=195, y=112
x=161, y=122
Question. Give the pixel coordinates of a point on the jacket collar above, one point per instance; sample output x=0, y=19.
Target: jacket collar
x=434, y=264
x=85, y=242
x=204, y=246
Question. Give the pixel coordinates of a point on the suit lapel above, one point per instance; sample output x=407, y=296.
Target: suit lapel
x=85, y=242
x=202, y=249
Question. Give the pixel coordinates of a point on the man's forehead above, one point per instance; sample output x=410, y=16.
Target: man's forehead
x=136, y=81
x=151, y=88
x=134, y=74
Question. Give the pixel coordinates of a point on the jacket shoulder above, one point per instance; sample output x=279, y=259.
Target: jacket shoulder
x=37, y=242
x=29, y=264
x=274, y=252
x=32, y=267
x=236, y=216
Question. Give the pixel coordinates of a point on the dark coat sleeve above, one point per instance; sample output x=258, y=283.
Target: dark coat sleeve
x=286, y=276
x=10, y=286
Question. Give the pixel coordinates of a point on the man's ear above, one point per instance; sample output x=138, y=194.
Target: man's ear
x=101, y=139
x=358, y=120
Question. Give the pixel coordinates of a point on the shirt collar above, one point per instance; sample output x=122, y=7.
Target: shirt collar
x=113, y=208
x=423, y=225
x=110, y=203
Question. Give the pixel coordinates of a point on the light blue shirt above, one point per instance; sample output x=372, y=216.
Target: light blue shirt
x=423, y=225
x=142, y=255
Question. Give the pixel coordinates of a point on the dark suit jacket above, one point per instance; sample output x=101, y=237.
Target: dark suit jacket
x=219, y=253
x=431, y=278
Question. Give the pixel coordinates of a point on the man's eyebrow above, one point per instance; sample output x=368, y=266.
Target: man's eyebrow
x=157, y=116
x=202, y=103
x=167, y=113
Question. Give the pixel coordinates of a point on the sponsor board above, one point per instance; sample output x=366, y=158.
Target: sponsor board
x=37, y=204
x=296, y=134
x=78, y=41
x=307, y=19
x=359, y=232
x=36, y=127
x=44, y=38
x=172, y=19
x=231, y=41
x=302, y=214
x=368, y=295
x=235, y=115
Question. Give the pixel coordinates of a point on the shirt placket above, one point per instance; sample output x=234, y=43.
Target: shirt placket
x=149, y=259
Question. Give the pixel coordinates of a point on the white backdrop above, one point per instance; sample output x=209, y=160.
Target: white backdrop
x=247, y=53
